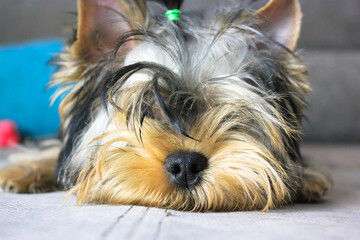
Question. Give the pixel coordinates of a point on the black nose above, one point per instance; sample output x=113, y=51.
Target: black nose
x=184, y=168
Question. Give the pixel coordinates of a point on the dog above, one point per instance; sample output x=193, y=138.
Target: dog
x=165, y=109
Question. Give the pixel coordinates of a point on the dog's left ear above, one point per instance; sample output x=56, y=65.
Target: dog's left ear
x=102, y=22
x=281, y=20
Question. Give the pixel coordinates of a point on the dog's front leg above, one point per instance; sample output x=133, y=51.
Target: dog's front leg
x=33, y=174
x=315, y=185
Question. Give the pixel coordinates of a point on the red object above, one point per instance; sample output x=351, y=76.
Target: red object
x=9, y=135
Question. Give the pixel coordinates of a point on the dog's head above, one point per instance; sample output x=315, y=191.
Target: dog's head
x=189, y=114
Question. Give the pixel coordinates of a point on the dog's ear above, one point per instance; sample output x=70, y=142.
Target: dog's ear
x=281, y=20
x=102, y=22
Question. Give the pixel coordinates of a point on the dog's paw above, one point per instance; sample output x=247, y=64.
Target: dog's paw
x=28, y=177
x=315, y=186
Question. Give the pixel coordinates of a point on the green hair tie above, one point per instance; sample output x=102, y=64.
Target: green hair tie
x=173, y=15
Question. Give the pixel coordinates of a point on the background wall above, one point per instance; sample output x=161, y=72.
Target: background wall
x=330, y=39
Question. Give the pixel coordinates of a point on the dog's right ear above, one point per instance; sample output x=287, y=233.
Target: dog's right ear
x=281, y=20
x=102, y=22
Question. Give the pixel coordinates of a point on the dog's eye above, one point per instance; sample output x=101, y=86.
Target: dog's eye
x=150, y=115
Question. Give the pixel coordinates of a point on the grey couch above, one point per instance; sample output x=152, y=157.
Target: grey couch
x=330, y=41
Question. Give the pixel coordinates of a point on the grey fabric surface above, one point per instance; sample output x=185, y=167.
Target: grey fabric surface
x=330, y=36
x=47, y=216
x=334, y=104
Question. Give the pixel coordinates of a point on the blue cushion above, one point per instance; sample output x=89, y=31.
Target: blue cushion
x=24, y=75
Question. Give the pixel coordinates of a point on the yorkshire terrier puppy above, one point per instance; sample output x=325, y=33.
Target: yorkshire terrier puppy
x=168, y=110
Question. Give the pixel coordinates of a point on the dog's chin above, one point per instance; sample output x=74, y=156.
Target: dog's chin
x=242, y=173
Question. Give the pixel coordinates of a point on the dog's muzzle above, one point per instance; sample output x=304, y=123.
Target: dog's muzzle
x=184, y=168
